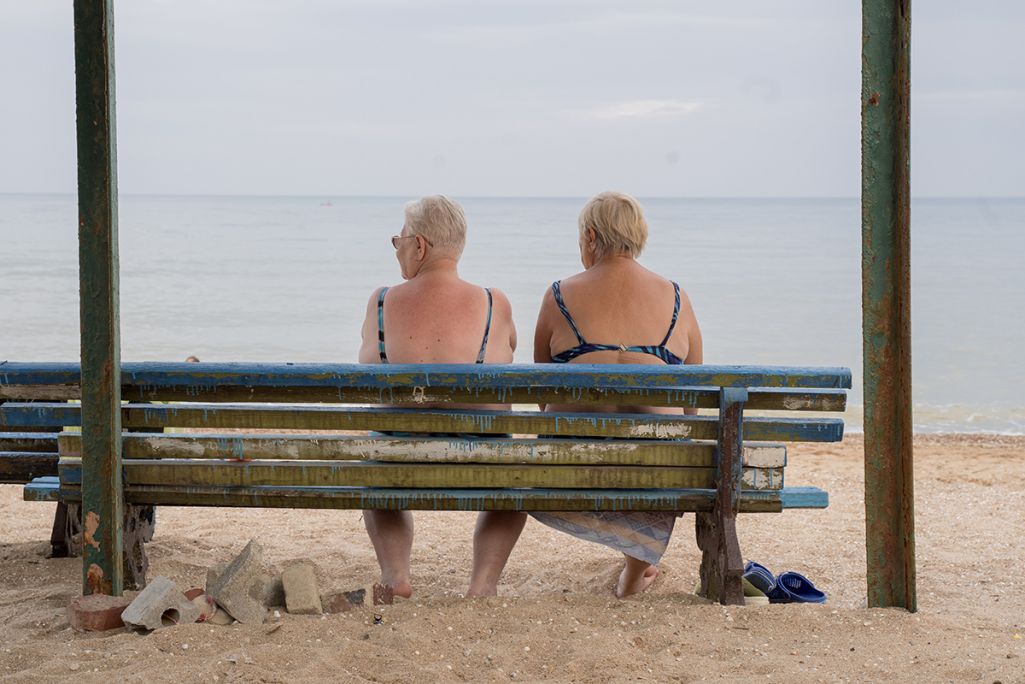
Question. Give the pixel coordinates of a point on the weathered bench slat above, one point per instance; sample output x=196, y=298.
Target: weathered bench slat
x=17, y=467
x=430, y=449
x=37, y=442
x=452, y=376
x=375, y=474
x=306, y=417
x=690, y=397
x=766, y=501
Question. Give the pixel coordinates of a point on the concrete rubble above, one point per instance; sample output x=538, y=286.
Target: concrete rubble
x=160, y=604
x=301, y=594
x=240, y=589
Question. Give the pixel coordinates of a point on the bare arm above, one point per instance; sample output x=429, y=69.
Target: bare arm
x=504, y=309
x=695, y=352
x=368, y=351
x=543, y=333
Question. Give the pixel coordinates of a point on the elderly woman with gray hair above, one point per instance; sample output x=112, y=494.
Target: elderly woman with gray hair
x=434, y=316
x=615, y=311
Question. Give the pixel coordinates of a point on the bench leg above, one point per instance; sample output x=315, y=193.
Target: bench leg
x=722, y=566
x=140, y=522
x=66, y=535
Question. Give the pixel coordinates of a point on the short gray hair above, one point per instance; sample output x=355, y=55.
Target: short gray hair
x=438, y=219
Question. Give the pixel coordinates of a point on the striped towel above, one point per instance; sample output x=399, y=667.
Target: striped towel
x=643, y=536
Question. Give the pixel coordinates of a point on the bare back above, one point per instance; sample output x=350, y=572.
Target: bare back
x=438, y=318
x=617, y=303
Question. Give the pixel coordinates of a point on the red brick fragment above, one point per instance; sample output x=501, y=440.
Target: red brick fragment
x=384, y=595
x=97, y=612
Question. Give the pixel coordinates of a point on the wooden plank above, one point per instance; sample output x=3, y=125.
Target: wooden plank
x=317, y=417
x=21, y=467
x=36, y=442
x=375, y=474
x=103, y=508
x=691, y=500
x=687, y=397
x=430, y=449
x=45, y=489
x=390, y=377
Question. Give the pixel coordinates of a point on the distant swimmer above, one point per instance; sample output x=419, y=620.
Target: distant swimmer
x=192, y=359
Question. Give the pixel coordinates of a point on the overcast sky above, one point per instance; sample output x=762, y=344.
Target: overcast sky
x=512, y=98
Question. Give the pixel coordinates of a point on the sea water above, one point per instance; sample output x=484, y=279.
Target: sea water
x=773, y=281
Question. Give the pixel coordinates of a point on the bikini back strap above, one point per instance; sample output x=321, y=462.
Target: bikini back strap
x=487, y=329
x=676, y=315
x=380, y=325
x=557, y=292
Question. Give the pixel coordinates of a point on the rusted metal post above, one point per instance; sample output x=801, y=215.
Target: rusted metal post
x=102, y=495
x=886, y=302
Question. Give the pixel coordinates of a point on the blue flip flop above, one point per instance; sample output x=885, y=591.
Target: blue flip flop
x=760, y=577
x=796, y=588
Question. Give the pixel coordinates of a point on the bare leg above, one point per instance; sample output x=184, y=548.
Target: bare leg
x=636, y=577
x=493, y=540
x=392, y=535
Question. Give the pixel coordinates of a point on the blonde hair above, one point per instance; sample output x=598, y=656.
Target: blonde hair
x=618, y=224
x=438, y=219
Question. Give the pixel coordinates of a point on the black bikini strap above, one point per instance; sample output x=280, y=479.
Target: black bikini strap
x=487, y=329
x=557, y=292
x=676, y=315
x=380, y=326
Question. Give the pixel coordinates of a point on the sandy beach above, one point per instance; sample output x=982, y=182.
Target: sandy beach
x=555, y=618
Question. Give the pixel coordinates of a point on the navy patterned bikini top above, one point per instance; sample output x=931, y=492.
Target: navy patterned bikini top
x=380, y=327
x=584, y=347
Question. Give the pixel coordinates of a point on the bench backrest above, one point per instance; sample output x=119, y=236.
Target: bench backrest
x=577, y=451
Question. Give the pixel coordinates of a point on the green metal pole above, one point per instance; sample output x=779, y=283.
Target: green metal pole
x=102, y=495
x=886, y=302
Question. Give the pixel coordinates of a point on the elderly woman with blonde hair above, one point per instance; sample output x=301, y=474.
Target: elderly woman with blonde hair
x=433, y=317
x=615, y=311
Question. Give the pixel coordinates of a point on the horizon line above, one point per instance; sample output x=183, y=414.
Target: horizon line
x=328, y=196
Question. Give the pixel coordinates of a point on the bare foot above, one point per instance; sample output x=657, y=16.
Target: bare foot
x=628, y=586
x=480, y=593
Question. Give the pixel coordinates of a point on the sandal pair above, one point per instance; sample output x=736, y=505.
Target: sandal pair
x=789, y=587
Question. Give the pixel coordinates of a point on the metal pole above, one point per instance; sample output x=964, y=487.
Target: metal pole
x=886, y=303
x=102, y=495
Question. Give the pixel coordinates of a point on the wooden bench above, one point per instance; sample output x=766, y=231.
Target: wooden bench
x=453, y=458
x=28, y=452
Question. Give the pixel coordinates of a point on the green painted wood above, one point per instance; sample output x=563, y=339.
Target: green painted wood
x=103, y=507
x=452, y=499
x=21, y=467
x=886, y=303
x=37, y=442
x=376, y=474
x=315, y=417
x=415, y=449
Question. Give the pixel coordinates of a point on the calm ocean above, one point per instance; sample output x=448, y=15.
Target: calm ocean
x=772, y=282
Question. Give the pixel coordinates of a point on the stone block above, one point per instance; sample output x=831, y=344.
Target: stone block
x=158, y=605
x=239, y=589
x=97, y=612
x=301, y=595
x=213, y=572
